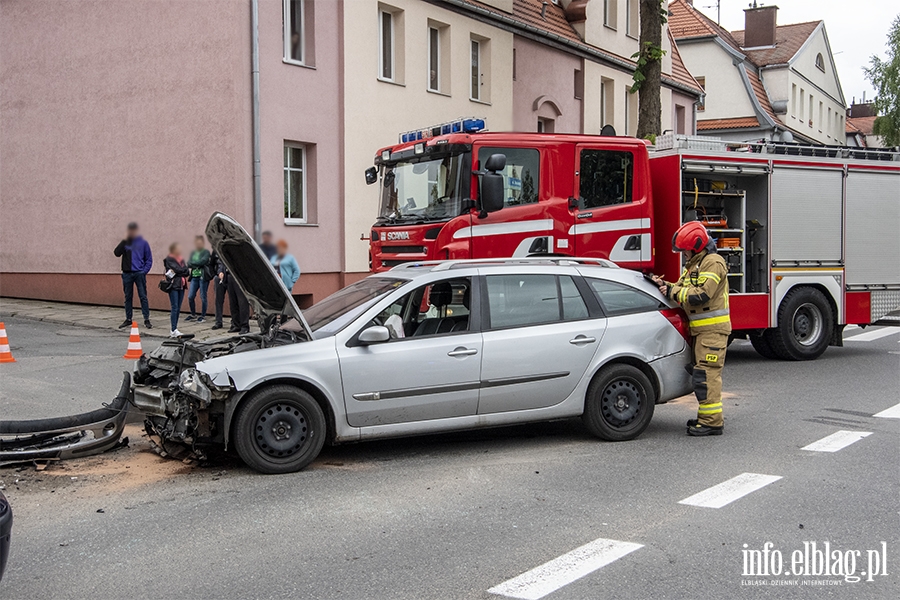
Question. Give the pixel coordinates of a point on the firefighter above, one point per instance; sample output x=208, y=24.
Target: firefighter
x=702, y=290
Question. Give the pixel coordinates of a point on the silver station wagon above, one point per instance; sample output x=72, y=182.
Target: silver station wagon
x=424, y=348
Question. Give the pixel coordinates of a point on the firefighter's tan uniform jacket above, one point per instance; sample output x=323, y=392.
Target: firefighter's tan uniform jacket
x=702, y=290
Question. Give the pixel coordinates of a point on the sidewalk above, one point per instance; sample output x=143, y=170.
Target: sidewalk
x=107, y=317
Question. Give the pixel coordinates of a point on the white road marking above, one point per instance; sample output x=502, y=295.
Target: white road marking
x=836, y=441
x=874, y=334
x=889, y=413
x=728, y=491
x=849, y=327
x=561, y=571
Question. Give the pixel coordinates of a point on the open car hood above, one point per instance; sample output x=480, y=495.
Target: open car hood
x=252, y=271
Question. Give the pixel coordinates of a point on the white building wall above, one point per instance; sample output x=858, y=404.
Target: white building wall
x=726, y=95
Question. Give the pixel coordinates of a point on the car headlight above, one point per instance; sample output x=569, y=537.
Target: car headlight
x=190, y=384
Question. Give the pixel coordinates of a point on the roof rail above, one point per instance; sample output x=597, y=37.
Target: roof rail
x=692, y=142
x=446, y=265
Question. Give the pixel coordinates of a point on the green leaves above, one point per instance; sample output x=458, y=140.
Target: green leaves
x=649, y=53
x=885, y=76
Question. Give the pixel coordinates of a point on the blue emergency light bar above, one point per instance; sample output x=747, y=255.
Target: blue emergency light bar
x=469, y=125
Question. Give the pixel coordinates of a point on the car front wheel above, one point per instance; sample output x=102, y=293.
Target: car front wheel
x=619, y=403
x=279, y=429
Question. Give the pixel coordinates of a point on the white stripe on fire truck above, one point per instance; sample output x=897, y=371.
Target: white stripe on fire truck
x=583, y=228
x=502, y=228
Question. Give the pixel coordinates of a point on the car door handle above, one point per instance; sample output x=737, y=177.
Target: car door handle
x=581, y=339
x=462, y=351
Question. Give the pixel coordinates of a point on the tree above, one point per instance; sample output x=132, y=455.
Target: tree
x=885, y=76
x=648, y=71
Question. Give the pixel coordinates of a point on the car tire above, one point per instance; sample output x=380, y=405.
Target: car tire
x=279, y=429
x=761, y=344
x=619, y=403
x=805, y=325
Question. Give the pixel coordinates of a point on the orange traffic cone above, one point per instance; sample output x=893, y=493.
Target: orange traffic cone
x=134, y=343
x=5, y=355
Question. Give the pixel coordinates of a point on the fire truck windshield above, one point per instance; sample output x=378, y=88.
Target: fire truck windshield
x=427, y=189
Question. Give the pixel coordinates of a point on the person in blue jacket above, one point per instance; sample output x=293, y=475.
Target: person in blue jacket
x=136, y=263
x=285, y=265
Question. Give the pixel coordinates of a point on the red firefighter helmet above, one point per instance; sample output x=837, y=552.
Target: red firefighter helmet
x=690, y=236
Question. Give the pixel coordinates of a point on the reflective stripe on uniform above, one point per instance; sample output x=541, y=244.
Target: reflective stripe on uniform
x=712, y=276
x=712, y=321
x=709, y=409
x=708, y=314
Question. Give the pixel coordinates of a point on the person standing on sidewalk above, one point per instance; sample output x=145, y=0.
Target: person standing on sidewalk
x=240, y=308
x=285, y=265
x=199, y=279
x=219, y=272
x=136, y=263
x=268, y=248
x=176, y=275
x=702, y=291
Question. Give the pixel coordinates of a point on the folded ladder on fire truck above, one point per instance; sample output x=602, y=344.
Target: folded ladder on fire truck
x=66, y=437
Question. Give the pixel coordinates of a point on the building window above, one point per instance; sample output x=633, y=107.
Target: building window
x=820, y=62
x=701, y=103
x=475, y=75
x=631, y=112
x=605, y=178
x=607, y=102
x=294, y=183
x=546, y=125
x=294, y=30
x=802, y=104
x=794, y=100
x=680, y=126
x=632, y=25
x=514, y=64
x=821, y=116
x=386, y=68
x=434, y=59
x=609, y=13
x=811, y=104
x=579, y=84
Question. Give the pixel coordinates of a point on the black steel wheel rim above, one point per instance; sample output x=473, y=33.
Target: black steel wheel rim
x=281, y=430
x=807, y=324
x=621, y=402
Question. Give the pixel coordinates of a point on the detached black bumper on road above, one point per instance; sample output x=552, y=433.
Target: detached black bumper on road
x=66, y=437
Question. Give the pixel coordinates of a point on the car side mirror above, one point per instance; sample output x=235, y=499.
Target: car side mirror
x=492, y=189
x=371, y=175
x=374, y=335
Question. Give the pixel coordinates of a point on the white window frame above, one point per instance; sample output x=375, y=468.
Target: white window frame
x=630, y=5
x=610, y=15
x=381, y=65
x=475, y=50
x=286, y=15
x=303, y=191
x=820, y=62
x=434, y=59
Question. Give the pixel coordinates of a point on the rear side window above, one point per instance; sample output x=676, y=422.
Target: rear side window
x=521, y=300
x=521, y=175
x=618, y=299
x=605, y=178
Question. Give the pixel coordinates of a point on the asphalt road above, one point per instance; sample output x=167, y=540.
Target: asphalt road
x=454, y=516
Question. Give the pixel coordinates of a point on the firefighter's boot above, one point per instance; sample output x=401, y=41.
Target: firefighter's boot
x=698, y=430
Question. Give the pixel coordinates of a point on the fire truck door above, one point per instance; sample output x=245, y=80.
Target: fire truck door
x=611, y=219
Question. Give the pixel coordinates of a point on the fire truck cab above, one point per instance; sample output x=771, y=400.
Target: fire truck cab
x=811, y=234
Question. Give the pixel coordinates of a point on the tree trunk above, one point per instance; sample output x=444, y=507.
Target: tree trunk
x=650, y=103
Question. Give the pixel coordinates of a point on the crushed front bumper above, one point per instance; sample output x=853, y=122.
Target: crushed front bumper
x=66, y=437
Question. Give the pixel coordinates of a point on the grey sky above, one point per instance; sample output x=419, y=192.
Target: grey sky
x=856, y=29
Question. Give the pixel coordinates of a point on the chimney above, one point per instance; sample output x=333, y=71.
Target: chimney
x=759, y=26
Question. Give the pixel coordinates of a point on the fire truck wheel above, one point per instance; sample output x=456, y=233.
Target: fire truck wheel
x=619, y=403
x=761, y=344
x=805, y=325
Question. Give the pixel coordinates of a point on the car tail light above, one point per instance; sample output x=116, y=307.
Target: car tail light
x=679, y=321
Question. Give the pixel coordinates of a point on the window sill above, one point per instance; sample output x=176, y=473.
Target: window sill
x=610, y=27
x=632, y=36
x=298, y=223
x=476, y=101
x=390, y=81
x=438, y=93
x=295, y=63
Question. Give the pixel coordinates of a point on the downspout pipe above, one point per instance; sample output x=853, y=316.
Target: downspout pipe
x=254, y=70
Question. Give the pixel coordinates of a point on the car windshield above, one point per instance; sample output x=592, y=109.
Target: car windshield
x=430, y=189
x=332, y=314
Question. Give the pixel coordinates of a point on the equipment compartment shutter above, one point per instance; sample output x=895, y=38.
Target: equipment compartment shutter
x=806, y=214
x=873, y=228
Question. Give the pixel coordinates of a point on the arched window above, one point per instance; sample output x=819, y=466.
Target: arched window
x=820, y=62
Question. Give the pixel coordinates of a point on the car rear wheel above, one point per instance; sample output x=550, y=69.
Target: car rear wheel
x=619, y=403
x=279, y=429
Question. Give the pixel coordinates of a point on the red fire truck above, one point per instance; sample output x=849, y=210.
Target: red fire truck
x=811, y=234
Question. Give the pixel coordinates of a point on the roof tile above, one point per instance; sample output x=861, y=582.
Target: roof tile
x=736, y=123
x=788, y=40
